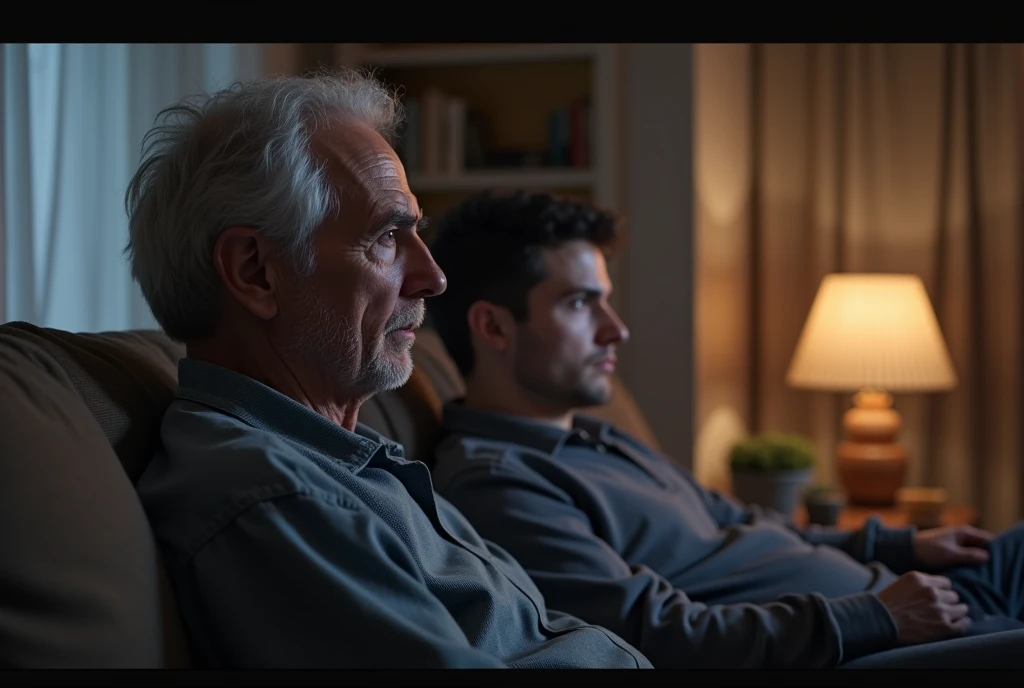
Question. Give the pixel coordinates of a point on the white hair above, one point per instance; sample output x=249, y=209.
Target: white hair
x=238, y=157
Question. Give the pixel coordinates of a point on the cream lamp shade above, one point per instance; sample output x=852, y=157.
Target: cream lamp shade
x=871, y=331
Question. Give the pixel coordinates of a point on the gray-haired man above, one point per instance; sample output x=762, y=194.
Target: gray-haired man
x=273, y=231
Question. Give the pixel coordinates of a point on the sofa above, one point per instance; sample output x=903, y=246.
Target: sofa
x=83, y=583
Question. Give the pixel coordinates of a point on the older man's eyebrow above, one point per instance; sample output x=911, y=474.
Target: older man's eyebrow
x=400, y=219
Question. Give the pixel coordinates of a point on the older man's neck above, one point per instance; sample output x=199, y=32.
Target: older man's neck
x=344, y=415
x=266, y=365
x=493, y=397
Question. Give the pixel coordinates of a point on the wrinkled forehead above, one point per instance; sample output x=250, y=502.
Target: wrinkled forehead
x=366, y=170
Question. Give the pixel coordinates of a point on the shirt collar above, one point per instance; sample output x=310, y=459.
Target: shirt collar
x=263, y=407
x=501, y=427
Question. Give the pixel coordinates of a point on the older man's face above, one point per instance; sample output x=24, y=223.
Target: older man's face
x=354, y=317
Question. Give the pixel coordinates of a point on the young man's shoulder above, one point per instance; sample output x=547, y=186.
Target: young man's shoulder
x=463, y=459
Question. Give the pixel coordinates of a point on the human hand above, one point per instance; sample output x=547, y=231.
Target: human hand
x=925, y=608
x=939, y=548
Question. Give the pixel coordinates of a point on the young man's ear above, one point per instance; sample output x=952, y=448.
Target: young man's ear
x=491, y=325
x=241, y=259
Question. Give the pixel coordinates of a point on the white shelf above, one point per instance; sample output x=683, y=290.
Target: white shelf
x=476, y=54
x=477, y=180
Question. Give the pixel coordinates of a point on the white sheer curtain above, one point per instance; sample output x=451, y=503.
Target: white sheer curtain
x=71, y=127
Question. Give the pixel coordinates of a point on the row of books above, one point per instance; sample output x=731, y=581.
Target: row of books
x=443, y=136
x=569, y=135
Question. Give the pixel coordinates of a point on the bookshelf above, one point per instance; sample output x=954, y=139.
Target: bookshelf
x=475, y=180
x=540, y=116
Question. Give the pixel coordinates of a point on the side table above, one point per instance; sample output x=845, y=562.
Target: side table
x=853, y=517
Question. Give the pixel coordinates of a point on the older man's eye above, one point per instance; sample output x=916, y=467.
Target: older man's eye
x=388, y=238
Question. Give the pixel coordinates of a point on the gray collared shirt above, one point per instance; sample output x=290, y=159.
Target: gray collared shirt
x=293, y=543
x=616, y=534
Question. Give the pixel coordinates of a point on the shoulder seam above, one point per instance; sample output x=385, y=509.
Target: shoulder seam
x=515, y=471
x=230, y=513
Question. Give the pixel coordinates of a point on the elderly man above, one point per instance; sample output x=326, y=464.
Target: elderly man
x=617, y=534
x=272, y=230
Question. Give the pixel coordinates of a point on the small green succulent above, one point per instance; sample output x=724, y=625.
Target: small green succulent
x=773, y=452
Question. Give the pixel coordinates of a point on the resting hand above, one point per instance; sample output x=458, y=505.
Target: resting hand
x=940, y=548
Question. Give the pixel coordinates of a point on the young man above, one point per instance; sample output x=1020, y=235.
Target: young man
x=619, y=535
x=273, y=231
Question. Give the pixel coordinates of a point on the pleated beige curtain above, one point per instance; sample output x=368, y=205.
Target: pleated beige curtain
x=818, y=158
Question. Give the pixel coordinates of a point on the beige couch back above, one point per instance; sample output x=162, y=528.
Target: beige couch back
x=83, y=583
x=79, y=421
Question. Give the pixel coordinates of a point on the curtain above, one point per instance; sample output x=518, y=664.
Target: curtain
x=877, y=158
x=73, y=119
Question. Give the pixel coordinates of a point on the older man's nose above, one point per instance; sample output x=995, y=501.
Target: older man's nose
x=423, y=277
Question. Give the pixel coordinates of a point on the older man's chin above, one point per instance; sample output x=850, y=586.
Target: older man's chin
x=396, y=371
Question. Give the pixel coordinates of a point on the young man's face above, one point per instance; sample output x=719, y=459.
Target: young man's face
x=565, y=351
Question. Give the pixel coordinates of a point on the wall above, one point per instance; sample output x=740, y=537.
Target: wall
x=722, y=271
x=656, y=276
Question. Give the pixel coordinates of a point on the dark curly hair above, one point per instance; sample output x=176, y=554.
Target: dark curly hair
x=490, y=249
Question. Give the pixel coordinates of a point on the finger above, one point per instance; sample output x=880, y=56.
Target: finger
x=961, y=626
x=947, y=597
x=940, y=582
x=956, y=612
x=970, y=535
x=972, y=555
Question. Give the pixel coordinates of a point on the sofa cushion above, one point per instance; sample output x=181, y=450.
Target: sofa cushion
x=431, y=357
x=125, y=379
x=409, y=415
x=83, y=584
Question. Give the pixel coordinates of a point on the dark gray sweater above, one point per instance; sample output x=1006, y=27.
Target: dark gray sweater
x=616, y=534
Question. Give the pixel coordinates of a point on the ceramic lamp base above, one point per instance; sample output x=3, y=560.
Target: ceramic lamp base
x=871, y=474
x=872, y=465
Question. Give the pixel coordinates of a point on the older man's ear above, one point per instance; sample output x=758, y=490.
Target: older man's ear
x=242, y=258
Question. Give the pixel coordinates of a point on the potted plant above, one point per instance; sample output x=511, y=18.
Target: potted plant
x=824, y=503
x=770, y=470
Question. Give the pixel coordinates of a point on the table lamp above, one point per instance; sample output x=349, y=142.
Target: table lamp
x=872, y=334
